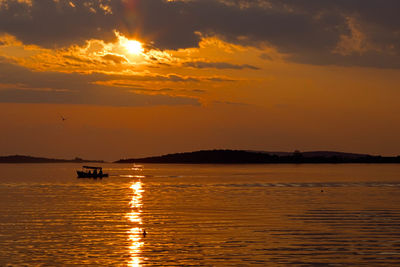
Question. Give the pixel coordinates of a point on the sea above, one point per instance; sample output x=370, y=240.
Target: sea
x=200, y=215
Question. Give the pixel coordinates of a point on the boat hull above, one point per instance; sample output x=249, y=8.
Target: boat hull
x=82, y=174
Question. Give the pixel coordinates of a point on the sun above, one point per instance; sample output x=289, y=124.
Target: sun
x=133, y=47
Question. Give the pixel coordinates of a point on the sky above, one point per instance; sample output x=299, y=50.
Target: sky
x=135, y=78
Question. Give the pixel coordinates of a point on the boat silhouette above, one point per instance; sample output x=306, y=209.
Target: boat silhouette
x=87, y=172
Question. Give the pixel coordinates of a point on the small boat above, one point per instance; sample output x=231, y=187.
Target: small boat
x=87, y=172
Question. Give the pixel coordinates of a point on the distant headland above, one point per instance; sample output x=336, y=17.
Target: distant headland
x=30, y=159
x=223, y=156
x=226, y=156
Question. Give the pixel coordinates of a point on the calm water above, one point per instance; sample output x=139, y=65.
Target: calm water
x=203, y=215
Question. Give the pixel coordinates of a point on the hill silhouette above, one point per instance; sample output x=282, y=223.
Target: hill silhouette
x=246, y=157
x=30, y=159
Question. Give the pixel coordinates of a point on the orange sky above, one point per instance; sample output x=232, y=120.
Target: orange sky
x=314, y=81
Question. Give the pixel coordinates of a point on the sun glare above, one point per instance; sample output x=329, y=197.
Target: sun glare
x=133, y=47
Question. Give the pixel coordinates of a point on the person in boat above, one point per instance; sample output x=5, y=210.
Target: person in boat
x=95, y=172
x=101, y=172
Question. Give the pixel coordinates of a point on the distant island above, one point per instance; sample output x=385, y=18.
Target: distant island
x=30, y=159
x=224, y=156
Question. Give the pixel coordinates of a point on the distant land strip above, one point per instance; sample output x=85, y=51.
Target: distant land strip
x=225, y=156
x=30, y=159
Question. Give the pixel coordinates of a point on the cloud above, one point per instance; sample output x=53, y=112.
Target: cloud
x=52, y=23
x=231, y=103
x=20, y=85
x=149, y=77
x=219, y=65
x=117, y=59
x=168, y=91
x=309, y=31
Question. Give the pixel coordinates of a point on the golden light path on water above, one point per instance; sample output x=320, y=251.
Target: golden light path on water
x=136, y=232
x=214, y=215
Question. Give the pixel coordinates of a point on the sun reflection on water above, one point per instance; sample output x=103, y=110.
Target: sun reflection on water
x=135, y=233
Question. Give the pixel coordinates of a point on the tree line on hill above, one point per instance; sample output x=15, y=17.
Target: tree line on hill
x=244, y=157
x=30, y=159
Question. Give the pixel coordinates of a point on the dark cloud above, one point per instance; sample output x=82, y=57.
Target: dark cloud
x=218, y=65
x=81, y=60
x=200, y=91
x=20, y=85
x=265, y=56
x=231, y=103
x=56, y=23
x=168, y=91
x=219, y=79
x=115, y=58
x=308, y=30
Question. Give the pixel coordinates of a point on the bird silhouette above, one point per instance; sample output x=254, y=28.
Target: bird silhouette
x=62, y=118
